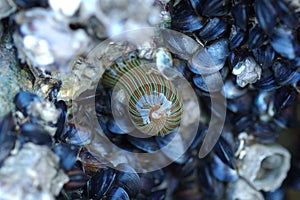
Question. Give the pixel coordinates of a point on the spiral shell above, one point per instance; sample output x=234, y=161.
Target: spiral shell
x=153, y=102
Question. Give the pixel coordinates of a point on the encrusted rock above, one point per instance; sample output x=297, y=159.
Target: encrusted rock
x=13, y=78
x=33, y=173
x=49, y=47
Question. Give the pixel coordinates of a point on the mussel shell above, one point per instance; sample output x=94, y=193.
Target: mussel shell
x=210, y=59
x=287, y=14
x=266, y=14
x=278, y=194
x=266, y=133
x=90, y=163
x=284, y=97
x=267, y=81
x=235, y=57
x=213, y=80
x=77, y=135
x=284, y=73
x=159, y=194
x=264, y=56
x=145, y=144
x=236, y=37
x=128, y=179
x=242, y=123
x=224, y=151
x=100, y=183
x=241, y=105
x=213, y=29
x=147, y=183
x=216, y=8
x=240, y=16
x=158, y=176
x=118, y=194
x=197, y=5
x=179, y=44
x=78, y=179
x=188, y=168
x=67, y=155
x=201, y=132
x=223, y=172
x=231, y=90
x=256, y=37
x=211, y=188
x=284, y=42
x=61, y=121
x=173, y=150
x=185, y=19
x=114, y=128
x=264, y=105
x=36, y=134
x=23, y=99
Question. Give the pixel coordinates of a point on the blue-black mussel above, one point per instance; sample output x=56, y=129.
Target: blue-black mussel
x=114, y=184
x=23, y=100
x=185, y=18
x=35, y=133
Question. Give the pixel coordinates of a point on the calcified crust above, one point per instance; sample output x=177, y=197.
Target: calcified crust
x=265, y=166
x=154, y=106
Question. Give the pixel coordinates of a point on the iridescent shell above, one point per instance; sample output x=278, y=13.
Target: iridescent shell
x=153, y=102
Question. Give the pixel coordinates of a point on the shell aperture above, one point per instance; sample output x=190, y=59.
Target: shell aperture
x=153, y=103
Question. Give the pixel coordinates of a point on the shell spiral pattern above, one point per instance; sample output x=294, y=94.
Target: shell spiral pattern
x=153, y=103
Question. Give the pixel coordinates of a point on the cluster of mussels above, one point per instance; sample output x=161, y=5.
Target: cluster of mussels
x=254, y=45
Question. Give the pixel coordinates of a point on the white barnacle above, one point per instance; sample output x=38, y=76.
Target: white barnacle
x=265, y=166
x=247, y=72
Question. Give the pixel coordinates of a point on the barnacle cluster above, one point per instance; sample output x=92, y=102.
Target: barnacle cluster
x=149, y=99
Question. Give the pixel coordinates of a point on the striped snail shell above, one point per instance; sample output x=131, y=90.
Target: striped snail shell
x=153, y=102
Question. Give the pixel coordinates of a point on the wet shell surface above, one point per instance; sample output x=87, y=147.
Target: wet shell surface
x=153, y=103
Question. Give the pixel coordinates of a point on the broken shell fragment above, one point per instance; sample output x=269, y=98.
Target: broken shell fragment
x=265, y=166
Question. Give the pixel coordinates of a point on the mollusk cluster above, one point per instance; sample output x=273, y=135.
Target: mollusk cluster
x=238, y=55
